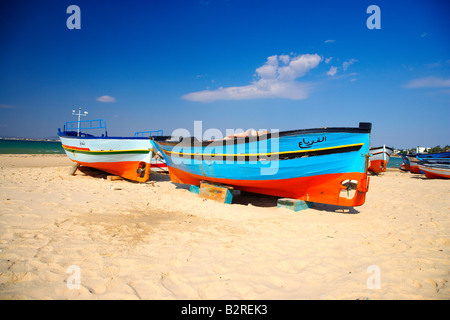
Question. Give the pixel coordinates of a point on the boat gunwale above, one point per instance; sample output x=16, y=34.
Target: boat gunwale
x=374, y=148
x=105, y=138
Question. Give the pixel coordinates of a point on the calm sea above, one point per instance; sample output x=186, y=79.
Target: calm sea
x=394, y=162
x=30, y=147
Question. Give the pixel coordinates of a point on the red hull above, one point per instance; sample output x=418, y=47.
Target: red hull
x=414, y=168
x=405, y=166
x=432, y=175
x=377, y=166
x=325, y=188
x=436, y=173
x=131, y=170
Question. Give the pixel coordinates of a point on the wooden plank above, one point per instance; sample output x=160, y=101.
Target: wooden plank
x=293, y=204
x=194, y=189
x=219, y=193
x=73, y=168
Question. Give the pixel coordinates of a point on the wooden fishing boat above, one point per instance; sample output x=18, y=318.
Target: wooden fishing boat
x=414, y=159
x=129, y=157
x=435, y=170
x=405, y=165
x=379, y=157
x=325, y=165
x=413, y=163
x=445, y=154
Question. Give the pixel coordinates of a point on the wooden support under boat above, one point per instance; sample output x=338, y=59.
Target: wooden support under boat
x=293, y=204
x=73, y=168
x=217, y=192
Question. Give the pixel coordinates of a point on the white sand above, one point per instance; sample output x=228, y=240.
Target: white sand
x=159, y=241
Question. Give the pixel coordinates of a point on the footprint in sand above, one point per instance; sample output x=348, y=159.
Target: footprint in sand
x=13, y=277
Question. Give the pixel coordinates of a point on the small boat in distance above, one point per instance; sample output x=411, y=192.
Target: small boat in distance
x=413, y=163
x=435, y=170
x=435, y=167
x=440, y=155
x=405, y=165
x=324, y=165
x=414, y=159
x=129, y=157
x=379, y=157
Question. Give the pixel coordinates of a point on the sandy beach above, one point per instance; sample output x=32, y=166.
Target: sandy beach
x=156, y=240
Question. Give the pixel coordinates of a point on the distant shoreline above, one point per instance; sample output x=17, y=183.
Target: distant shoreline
x=29, y=139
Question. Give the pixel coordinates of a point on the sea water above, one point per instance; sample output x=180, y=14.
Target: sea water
x=394, y=162
x=30, y=147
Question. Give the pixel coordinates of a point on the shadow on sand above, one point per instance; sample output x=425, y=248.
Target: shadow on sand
x=261, y=200
x=334, y=208
x=92, y=172
x=241, y=198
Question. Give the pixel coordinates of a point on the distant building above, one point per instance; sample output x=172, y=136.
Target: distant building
x=422, y=149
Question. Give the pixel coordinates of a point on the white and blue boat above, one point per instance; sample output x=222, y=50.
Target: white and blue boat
x=129, y=157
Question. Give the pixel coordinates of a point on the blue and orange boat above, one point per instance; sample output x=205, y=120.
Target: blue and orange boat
x=415, y=158
x=324, y=165
x=435, y=167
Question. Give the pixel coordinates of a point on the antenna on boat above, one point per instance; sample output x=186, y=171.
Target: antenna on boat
x=79, y=114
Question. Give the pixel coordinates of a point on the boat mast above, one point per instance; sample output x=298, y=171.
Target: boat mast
x=79, y=114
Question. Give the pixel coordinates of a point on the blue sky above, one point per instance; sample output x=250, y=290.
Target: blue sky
x=148, y=65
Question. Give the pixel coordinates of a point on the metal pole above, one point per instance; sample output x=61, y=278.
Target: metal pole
x=79, y=116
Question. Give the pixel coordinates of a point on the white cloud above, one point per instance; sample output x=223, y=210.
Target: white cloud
x=429, y=82
x=269, y=70
x=348, y=63
x=277, y=78
x=106, y=99
x=327, y=60
x=284, y=58
x=329, y=41
x=332, y=71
